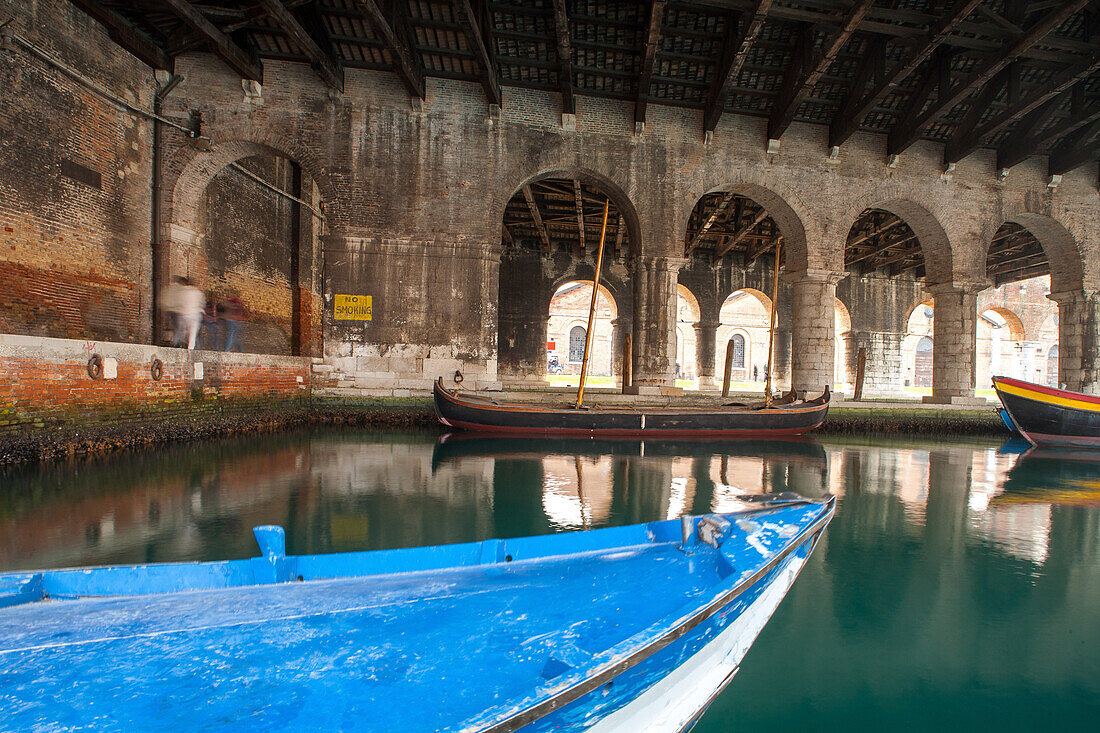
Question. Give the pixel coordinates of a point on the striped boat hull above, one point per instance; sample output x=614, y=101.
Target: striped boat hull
x=1048, y=416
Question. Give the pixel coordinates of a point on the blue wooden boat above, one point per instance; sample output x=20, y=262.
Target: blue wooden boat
x=618, y=629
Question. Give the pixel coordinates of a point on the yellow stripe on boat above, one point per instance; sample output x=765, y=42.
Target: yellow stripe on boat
x=1049, y=399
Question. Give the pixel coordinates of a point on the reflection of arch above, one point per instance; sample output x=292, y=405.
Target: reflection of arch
x=607, y=186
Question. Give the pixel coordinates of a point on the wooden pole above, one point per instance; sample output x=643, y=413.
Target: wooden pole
x=729, y=368
x=592, y=307
x=861, y=369
x=628, y=365
x=771, y=325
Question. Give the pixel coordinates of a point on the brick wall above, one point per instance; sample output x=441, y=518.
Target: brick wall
x=76, y=185
x=45, y=385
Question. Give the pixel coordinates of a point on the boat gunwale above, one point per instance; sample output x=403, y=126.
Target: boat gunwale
x=1045, y=395
x=612, y=669
x=480, y=403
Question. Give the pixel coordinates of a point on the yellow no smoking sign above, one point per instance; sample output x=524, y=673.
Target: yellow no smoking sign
x=353, y=308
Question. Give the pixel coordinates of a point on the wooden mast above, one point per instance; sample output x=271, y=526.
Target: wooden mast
x=771, y=325
x=592, y=307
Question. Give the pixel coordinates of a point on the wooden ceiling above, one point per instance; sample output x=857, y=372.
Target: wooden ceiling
x=563, y=213
x=1018, y=76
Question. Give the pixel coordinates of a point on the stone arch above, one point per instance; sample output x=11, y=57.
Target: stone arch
x=1015, y=325
x=561, y=325
x=607, y=185
x=783, y=205
x=190, y=171
x=1067, y=267
x=764, y=300
x=755, y=335
x=924, y=219
x=692, y=302
x=916, y=370
x=842, y=329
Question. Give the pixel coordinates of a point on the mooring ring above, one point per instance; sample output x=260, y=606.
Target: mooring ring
x=95, y=366
x=458, y=377
x=156, y=369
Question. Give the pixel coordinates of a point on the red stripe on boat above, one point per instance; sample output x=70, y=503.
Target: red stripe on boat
x=1031, y=386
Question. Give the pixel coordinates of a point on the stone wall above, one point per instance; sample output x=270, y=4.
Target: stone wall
x=414, y=194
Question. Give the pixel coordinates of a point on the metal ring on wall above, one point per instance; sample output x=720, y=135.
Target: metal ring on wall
x=156, y=369
x=95, y=366
x=458, y=377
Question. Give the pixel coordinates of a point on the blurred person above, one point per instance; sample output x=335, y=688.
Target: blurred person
x=233, y=313
x=192, y=302
x=170, y=305
x=208, y=337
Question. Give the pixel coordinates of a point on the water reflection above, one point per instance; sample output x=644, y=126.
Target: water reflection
x=961, y=578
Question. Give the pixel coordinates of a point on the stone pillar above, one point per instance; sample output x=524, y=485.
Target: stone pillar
x=655, y=320
x=954, y=342
x=619, y=328
x=522, y=317
x=813, y=294
x=1079, y=340
x=705, y=334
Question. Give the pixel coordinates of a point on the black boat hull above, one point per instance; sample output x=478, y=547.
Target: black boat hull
x=1051, y=417
x=465, y=413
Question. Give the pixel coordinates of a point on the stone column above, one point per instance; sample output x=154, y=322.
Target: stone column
x=954, y=342
x=1079, y=340
x=619, y=328
x=655, y=320
x=813, y=294
x=705, y=334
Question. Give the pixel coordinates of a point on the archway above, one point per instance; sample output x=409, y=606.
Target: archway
x=892, y=250
x=567, y=323
x=687, y=317
x=917, y=350
x=1000, y=348
x=245, y=224
x=743, y=327
x=1020, y=265
x=843, y=378
x=550, y=232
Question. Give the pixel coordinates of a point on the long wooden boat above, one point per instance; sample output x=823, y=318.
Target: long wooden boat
x=618, y=629
x=1048, y=416
x=474, y=412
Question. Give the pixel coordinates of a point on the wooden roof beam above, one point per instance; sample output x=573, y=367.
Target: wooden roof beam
x=243, y=62
x=891, y=221
x=741, y=234
x=909, y=132
x=768, y=245
x=533, y=207
x=475, y=36
x=563, y=36
x=323, y=60
x=649, y=56
x=733, y=58
x=968, y=139
x=127, y=35
x=793, y=94
x=878, y=249
x=856, y=107
x=405, y=63
x=1076, y=152
x=719, y=209
x=578, y=202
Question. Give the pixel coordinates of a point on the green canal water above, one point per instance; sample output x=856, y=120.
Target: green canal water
x=958, y=586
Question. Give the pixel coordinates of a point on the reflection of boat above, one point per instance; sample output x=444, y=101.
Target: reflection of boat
x=1048, y=416
x=1053, y=476
x=474, y=412
x=453, y=446
x=618, y=627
